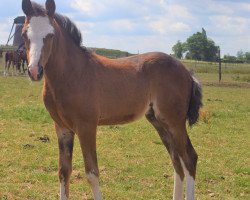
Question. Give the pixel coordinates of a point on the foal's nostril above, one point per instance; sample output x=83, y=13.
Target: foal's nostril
x=40, y=72
x=29, y=73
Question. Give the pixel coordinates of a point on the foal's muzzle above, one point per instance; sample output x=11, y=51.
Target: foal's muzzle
x=35, y=72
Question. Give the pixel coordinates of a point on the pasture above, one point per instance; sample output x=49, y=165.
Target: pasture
x=133, y=162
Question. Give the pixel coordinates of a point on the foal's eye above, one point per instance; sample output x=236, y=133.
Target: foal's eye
x=50, y=36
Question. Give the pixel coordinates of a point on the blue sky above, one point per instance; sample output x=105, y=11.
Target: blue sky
x=148, y=25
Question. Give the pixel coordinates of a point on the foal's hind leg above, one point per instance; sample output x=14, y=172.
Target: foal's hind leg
x=66, y=142
x=184, y=157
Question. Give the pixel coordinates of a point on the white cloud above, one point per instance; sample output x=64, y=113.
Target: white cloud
x=159, y=15
x=243, y=7
x=180, y=26
x=5, y=29
x=178, y=11
x=227, y=7
x=122, y=25
x=177, y=19
x=85, y=27
x=166, y=26
x=219, y=7
x=88, y=7
x=231, y=25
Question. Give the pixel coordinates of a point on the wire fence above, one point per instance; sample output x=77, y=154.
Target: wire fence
x=213, y=67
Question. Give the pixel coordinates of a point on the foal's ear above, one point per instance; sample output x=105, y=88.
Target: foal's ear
x=27, y=8
x=50, y=7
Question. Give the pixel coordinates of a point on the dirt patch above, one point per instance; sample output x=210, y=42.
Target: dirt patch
x=44, y=139
x=28, y=146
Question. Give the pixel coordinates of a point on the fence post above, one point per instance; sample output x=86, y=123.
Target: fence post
x=219, y=64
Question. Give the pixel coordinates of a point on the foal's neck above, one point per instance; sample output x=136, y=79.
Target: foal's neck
x=63, y=65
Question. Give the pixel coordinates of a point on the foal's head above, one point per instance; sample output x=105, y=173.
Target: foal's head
x=38, y=33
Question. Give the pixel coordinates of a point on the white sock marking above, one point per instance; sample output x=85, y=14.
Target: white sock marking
x=189, y=181
x=94, y=183
x=178, y=187
x=63, y=191
x=38, y=29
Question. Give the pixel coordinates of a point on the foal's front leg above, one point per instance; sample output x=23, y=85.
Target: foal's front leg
x=87, y=138
x=65, y=142
x=5, y=69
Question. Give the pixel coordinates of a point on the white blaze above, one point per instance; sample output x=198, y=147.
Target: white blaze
x=38, y=29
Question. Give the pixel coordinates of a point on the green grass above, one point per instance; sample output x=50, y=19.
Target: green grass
x=242, y=78
x=133, y=162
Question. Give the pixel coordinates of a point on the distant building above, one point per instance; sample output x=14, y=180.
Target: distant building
x=18, y=40
x=17, y=35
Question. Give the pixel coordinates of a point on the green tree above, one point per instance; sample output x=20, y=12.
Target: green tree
x=210, y=51
x=178, y=49
x=200, y=47
x=230, y=59
x=241, y=56
x=247, y=57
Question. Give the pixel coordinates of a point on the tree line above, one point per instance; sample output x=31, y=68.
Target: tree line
x=199, y=47
x=241, y=57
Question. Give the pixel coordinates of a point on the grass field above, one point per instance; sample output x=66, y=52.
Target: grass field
x=134, y=164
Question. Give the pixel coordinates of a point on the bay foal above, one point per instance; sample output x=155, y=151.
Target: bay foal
x=83, y=90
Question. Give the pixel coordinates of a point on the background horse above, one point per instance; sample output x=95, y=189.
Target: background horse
x=9, y=59
x=83, y=90
x=17, y=59
x=1, y=53
x=23, y=59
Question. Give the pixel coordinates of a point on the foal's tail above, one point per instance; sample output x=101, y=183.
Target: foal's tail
x=195, y=102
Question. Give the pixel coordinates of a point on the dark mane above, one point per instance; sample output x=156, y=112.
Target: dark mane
x=64, y=22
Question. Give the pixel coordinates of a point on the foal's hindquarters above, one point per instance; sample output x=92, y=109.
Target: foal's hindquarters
x=171, y=90
x=168, y=113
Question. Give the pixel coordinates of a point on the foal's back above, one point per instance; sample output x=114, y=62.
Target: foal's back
x=127, y=86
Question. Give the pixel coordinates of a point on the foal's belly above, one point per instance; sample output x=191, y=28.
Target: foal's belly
x=123, y=116
x=123, y=106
